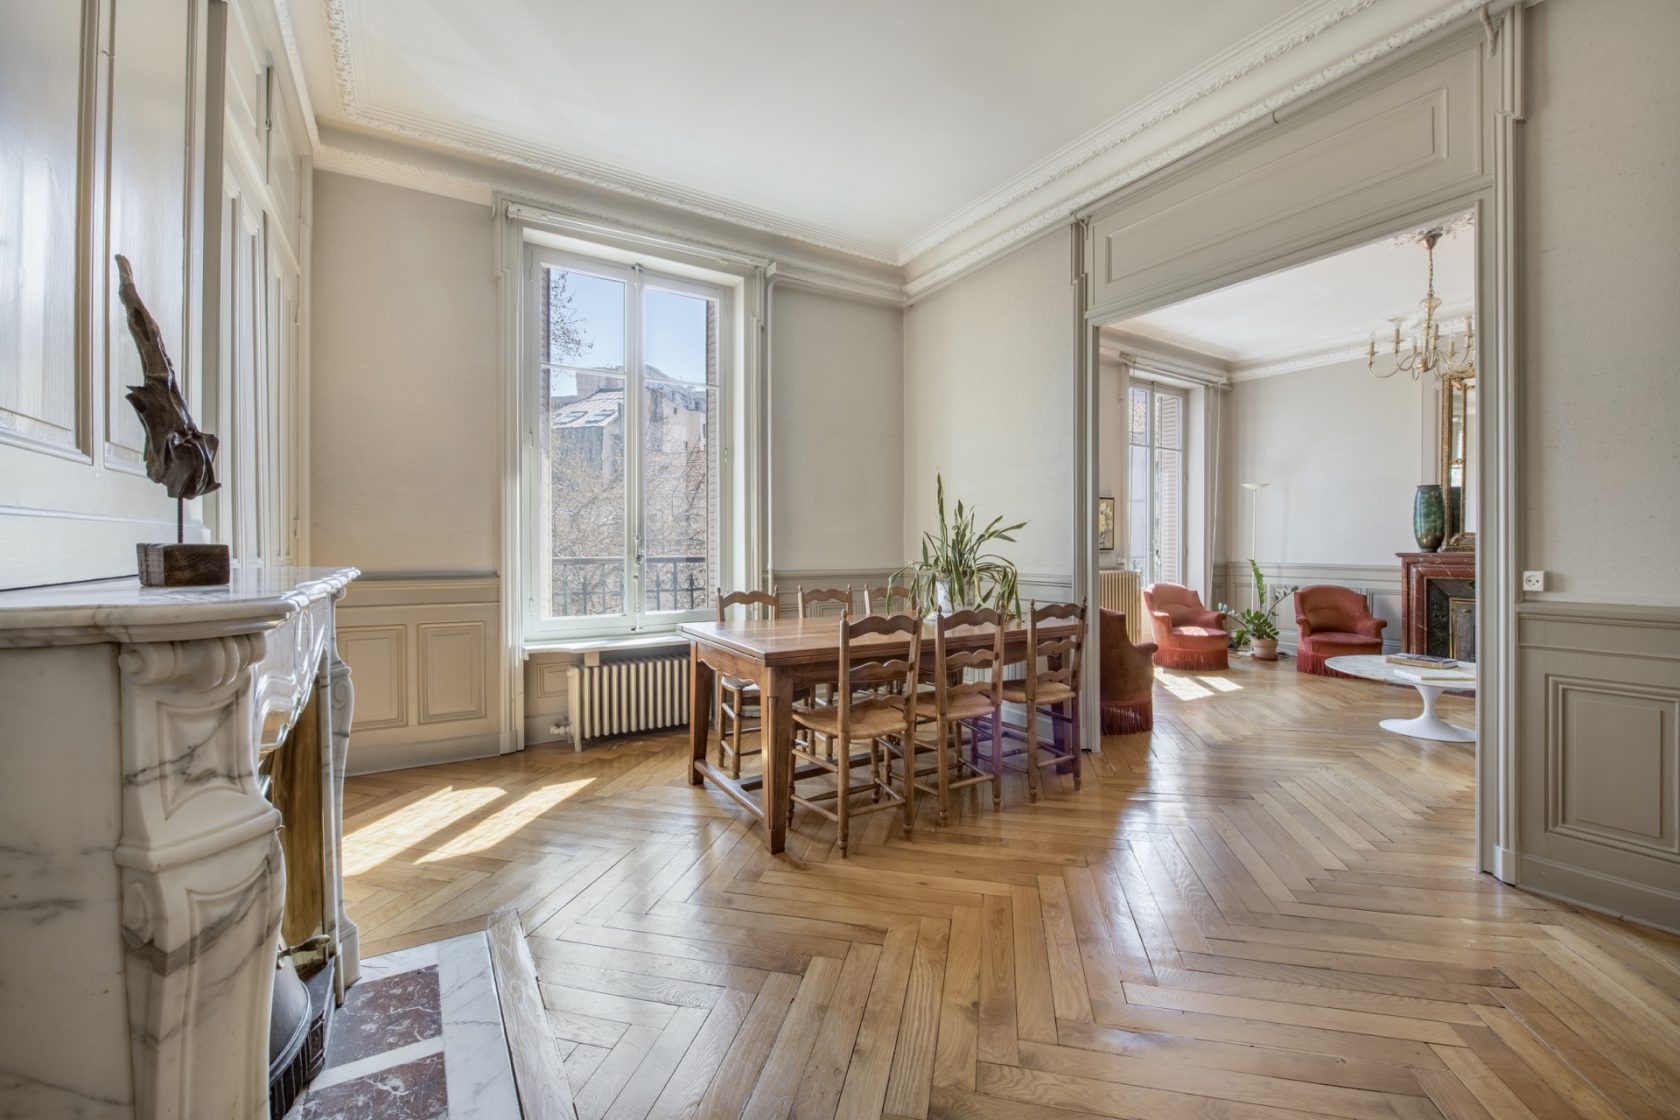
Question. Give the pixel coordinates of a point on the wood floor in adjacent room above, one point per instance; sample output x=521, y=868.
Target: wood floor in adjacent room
x=1268, y=908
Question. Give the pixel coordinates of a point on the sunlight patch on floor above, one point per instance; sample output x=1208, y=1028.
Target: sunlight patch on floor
x=1221, y=684
x=506, y=821
x=1183, y=688
x=369, y=846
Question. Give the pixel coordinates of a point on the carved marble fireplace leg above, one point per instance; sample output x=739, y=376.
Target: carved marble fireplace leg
x=202, y=878
x=339, y=694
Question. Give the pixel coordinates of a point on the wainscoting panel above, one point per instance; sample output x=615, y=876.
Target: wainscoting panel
x=378, y=656
x=425, y=657
x=1599, y=761
x=1380, y=584
x=451, y=671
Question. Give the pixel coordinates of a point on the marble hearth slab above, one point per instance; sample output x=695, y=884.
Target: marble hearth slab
x=420, y=1036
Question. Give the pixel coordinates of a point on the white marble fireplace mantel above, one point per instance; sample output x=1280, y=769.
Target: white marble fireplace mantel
x=141, y=878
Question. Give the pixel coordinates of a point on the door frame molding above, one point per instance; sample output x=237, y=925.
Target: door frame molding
x=1495, y=200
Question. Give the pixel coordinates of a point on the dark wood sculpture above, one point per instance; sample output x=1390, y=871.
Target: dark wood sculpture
x=178, y=454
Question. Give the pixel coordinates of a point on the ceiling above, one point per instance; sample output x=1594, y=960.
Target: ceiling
x=875, y=127
x=1319, y=312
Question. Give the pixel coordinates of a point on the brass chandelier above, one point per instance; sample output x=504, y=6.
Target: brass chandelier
x=1423, y=353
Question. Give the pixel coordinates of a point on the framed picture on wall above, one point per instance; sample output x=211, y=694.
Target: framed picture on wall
x=1105, y=524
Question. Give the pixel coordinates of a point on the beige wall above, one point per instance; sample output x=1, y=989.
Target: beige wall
x=405, y=402
x=1601, y=247
x=988, y=400
x=1343, y=455
x=837, y=423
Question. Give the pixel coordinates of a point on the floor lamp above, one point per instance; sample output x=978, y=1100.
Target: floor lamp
x=1254, y=489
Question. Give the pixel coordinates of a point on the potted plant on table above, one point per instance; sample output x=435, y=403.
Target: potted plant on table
x=1259, y=624
x=956, y=571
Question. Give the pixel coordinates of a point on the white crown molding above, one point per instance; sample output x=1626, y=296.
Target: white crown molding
x=294, y=64
x=484, y=191
x=1294, y=29
x=1254, y=370
x=838, y=281
x=1055, y=178
x=1066, y=209
x=492, y=145
x=402, y=173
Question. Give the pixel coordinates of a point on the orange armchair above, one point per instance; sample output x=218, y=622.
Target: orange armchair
x=1334, y=622
x=1189, y=636
x=1126, y=675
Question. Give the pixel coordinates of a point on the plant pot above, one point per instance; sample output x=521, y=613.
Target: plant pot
x=1429, y=517
x=1265, y=649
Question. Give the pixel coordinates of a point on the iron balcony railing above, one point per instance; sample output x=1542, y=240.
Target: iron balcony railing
x=588, y=586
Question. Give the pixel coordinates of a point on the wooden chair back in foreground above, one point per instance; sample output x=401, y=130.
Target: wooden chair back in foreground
x=861, y=711
x=738, y=708
x=811, y=602
x=967, y=689
x=1051, y=688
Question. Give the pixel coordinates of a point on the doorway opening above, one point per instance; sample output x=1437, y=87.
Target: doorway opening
x=1299, y=451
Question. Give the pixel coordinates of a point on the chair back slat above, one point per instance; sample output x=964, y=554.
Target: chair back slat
x=950, y=670
x=867, y=665
x=755, y=604
x=810, y=601
x=1064, y=649
x=888, y=600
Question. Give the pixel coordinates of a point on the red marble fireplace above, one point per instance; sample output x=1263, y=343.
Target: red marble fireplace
x=1438, y=603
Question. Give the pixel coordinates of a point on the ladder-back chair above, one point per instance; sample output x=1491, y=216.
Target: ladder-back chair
x=857, y=715
x=738, y=698
x=959, y=702
x=1051, y=683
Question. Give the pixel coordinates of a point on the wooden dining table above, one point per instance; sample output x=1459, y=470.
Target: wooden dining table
x=783, y=657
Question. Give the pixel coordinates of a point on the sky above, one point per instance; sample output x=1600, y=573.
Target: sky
x=674, y=327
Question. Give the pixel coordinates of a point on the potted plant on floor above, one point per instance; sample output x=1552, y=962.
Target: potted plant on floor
x=1259, y=624
x=956, y=571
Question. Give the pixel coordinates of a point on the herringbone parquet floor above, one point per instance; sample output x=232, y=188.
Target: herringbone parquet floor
x=1266, y=909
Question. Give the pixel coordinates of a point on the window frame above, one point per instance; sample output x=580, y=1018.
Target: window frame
x=639, y=274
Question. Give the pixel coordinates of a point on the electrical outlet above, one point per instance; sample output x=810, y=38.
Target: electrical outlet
x=1534, y=581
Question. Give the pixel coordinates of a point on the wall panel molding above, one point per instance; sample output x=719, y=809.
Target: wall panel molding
x=1599, y=736
x=426, y=652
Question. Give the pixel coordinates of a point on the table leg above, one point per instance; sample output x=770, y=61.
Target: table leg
x=776, y=721
x=1429, y=725
x=699, y=712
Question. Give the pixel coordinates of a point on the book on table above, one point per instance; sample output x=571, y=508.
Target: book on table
x=1422, y=660
x=1436, y=676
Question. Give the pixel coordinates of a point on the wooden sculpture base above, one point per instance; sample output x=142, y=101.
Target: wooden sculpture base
x=183, y=565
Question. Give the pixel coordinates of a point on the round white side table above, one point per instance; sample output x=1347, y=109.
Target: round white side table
x=1426, y=726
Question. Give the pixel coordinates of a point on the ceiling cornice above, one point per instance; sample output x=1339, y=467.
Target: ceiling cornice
x=1066, y=209
x=451, y=177
x=294, y=63
x=1057, y=179
x=1300, y=26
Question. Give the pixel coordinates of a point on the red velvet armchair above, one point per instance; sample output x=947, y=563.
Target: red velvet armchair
x=1127, y=677
x=1189, y=635
x=1333, y=622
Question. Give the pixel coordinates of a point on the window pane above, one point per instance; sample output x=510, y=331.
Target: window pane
x=1140, y=414
x=583, y=320
x=680, y=337
x=583, y=462
x=678, y=498
x=1137, y=513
